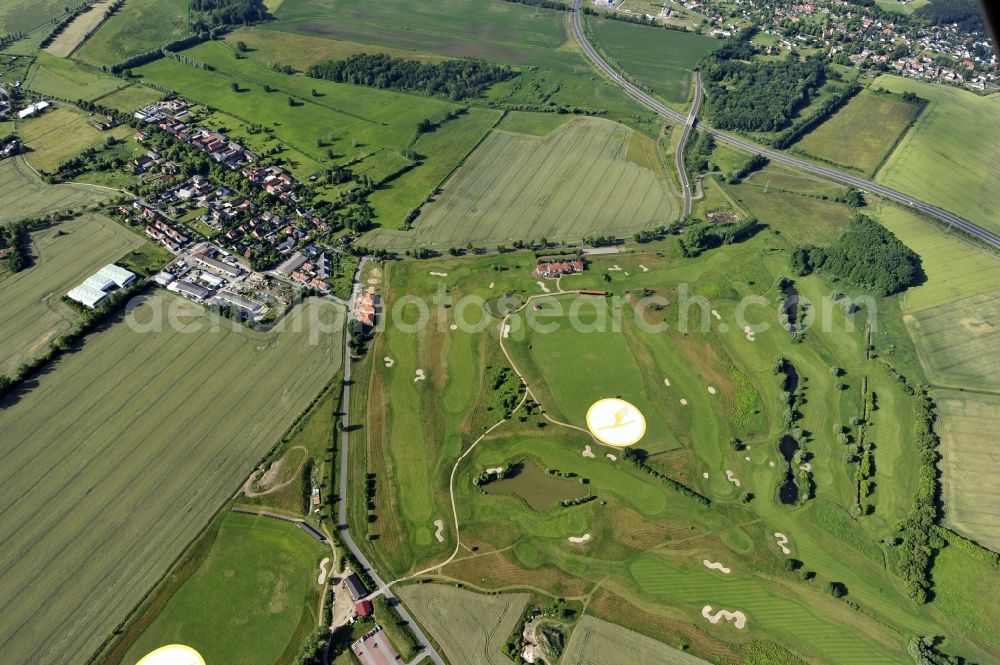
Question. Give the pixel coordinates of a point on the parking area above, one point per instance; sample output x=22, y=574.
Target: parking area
x=374, y=649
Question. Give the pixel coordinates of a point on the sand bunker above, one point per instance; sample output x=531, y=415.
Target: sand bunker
x=420, y=376
x=746, y=457
x=542, y=286
x=576, y=540
x=587, y=452
x=715, y=565
x=494, y=469
x=453, y=326
x=506, y=330
x=715, y=313
x=771, y=464
x=782, y=543
x=492, y=285
x=321, y=579
x=389, y=362
x=705, y=475
x=806, y=466
x=440, y=274
x=643, y=268
x=684, y=402
x=666, y=382
x=439, y=533
x=738, y=617
x=615, y=268
x=749, y=333
x=731, y=478
x=711, y=390
x=611, y=457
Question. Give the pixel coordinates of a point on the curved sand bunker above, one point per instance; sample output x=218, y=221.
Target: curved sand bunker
x=576, y=540
x=506, y=330
x=542, y=286
x=420, y=376
x=611, y=457
x=321, y=579
x=439, y=533
x=715, y=313
x=588, y=452
x=495, y=469
x=732, y=478
x=715, y=565
x=782, y=542
x=615, y=268
x=748, y=331
x=439, y=274
x=666, y=382
x=738, y=617
x=389, y=362
x=643, y=268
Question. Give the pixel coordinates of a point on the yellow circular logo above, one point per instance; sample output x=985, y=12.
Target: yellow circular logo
x=615, y=422
x=173, y=654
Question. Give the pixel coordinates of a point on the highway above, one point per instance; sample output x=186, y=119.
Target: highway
x=345, y=532
x=576, y=21
x=685, y=133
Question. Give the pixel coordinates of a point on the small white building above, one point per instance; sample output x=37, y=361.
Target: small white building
x=32, y=109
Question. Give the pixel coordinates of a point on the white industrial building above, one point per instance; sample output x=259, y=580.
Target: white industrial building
x=95, y=288
x=32, y=109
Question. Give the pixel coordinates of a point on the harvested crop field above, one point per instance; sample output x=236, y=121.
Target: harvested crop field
x=154, y=431
x=23, y=194
x=573, y=183
x=970, y=464
x=470, y=627
x=597, y=641
x=139, y=26
x=66, y=254
x=69, y=39
x=62, y=134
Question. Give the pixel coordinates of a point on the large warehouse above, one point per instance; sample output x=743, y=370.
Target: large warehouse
x=96, y=288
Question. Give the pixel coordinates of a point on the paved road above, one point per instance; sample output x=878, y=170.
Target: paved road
x=685, y=133
x=345, y=531
x=774, y=155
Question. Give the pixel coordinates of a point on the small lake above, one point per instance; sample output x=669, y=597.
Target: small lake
x=538, y=489
x=789, y=491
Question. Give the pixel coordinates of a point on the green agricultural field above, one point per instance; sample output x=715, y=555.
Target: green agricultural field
x=801, y=219
x=58, y=77
x=498, y=197
x=961, y=572
x=28, y=15
x=61, y=134
x=970, y=466
x=957, y=341
x=946, y=158
x=662, y=60
x=535, y=124
x=139, y=26
x=104, y=489
x=65, y=255
x=470, y=628
x=23, y=194
x=251, y=600
x=597, y=641
x=127, y=100
x=861, y=134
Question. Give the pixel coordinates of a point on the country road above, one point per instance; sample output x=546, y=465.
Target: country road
x=576, y=22
x=685, y=133
x=345, y=531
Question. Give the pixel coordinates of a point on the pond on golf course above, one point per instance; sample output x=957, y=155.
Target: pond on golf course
x=538, y=489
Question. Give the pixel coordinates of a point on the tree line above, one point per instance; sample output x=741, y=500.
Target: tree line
x=867, y=255
x=455, y=79
x=207, y=14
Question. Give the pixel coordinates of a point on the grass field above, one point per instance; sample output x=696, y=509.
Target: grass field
x=470, y=628
x=61, y=134
x=252, y=599
x=961, y=572
x=27, y=15
x=597, y=641
x=970, y=465
x=498, y=197
x=65, y=255
x=662, y=60
x=946, y=158
x=861, y=134
x=127, y=100
x=70, y=38
x=139, y=26
x=23, y=194
x=58, y=77
x=101, y=499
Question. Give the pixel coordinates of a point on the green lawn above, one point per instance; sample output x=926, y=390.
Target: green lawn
x=65, y=255
x=946, y=158
x=128, y=100
x=139, y=26
x=251, y=600
x=498, y=197
x=66, y=79
x=127, y=483
x=861, y=134
x=662, y=60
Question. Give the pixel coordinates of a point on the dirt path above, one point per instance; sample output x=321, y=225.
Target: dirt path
x=248, y=485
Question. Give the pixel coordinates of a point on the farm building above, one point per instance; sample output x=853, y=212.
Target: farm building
x=87, y=296
x=364, y=608
x=558, y=268
x=356, y=586
x=32, y=109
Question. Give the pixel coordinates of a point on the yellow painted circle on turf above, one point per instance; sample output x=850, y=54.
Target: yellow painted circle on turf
x=173, y=654
x=615, y=422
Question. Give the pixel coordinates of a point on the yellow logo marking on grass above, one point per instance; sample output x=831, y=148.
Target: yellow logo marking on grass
x=615, y=422
x=173, y=654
